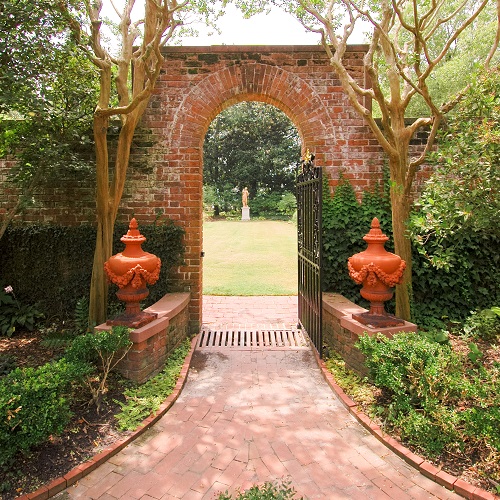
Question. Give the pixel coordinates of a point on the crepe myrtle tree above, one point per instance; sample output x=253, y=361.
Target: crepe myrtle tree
x=126, y=84
x=408, y=40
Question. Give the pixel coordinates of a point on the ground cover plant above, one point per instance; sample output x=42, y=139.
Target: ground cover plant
x=249, y=258
x=144, y=400
x=437, y=392
x=266, y=491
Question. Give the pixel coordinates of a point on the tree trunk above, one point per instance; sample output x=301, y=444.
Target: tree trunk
x=402, y=245
x=98, y=301
x=108, y=201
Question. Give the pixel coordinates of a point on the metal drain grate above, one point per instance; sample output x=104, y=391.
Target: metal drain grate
x=252, y=339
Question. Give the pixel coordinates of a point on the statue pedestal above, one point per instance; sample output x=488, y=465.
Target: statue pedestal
x=245, y=213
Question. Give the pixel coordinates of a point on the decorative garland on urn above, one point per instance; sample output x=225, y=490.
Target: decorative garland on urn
x=371, y=272
x=137, y=275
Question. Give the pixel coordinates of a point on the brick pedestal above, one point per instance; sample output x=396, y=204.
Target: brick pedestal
x=154, y=342
x=341, y=332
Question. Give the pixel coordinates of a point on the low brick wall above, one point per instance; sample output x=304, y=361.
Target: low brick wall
x=154, y=342
x=341, y=332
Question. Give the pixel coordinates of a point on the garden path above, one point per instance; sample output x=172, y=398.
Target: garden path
x=250, y=416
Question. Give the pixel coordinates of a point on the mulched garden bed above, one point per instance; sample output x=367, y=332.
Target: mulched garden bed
x=86, y=435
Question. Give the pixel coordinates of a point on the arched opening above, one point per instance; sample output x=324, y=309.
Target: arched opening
x=252, y=145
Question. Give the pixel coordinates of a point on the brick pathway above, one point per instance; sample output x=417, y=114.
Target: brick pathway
x=246, y=417
x=277, y=312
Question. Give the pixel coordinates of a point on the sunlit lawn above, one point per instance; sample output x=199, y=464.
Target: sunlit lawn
x=249, y=258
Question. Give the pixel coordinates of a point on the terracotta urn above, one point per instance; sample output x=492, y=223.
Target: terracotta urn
x=131, y=270
x=379, y=271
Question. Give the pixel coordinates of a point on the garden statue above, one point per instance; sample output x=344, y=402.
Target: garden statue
x=244, y=197
x=245, y=209
x=379, y=271
x=131, y=270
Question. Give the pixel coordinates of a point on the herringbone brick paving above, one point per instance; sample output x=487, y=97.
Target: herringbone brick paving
x=246, y=417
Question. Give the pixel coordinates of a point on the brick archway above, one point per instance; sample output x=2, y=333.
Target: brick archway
x=200, y=82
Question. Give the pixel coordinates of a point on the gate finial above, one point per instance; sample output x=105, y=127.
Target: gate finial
x=308, y=158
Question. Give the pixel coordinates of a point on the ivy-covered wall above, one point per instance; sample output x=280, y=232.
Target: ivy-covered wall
x=470, y=283
x=52, y=264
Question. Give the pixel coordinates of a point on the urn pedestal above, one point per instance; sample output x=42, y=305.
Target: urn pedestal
x=379, y=272
x=131, y=270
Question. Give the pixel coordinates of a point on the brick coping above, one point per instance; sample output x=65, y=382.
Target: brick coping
x=232, y=49
x=80, y=471
x=426, y=468
x=449, y=481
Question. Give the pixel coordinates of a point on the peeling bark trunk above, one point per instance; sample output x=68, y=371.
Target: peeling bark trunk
x=400, y=208
x=108, y=202
x=98, y=301
x=402, y=247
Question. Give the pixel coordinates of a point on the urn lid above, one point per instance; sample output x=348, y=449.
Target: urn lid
x=133, y=234
x=375, y=235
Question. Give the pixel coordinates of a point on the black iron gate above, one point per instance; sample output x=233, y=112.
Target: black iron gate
x=309, y=202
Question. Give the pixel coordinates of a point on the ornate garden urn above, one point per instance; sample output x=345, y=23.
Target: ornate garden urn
x=131, y=270
x=379, y=271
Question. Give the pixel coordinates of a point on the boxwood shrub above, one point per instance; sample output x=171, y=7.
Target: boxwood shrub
x=35, y=403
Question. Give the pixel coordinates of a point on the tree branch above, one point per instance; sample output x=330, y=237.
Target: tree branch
x=494, y=47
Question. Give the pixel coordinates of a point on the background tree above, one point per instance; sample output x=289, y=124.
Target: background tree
x=30, y=34
x=47, y=96
x=461, y=198
x=408, y=42
x=463, y=60
x=254, y=145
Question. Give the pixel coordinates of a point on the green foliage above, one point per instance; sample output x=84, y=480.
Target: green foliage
x=35, y=403
x=221, y=201
x=288, y=204
x=13, y=314
x=460, y=201
x=102, y=349
x=48, y=92
x=438, y=336
x=266, y=204
x=145, y=399
x=475, y=353
x=7, y=364
x=98, y=348
x=434, y=398
x=82, y=314
x=32, y=35
x=463, y=59
x=266, y=491
x=36, y=255
x=440, y=293
x=483, y=324
x=250, y=145
x=360, y=390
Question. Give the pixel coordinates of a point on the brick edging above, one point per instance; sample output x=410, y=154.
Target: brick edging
x=80, y=471
x=449, y=481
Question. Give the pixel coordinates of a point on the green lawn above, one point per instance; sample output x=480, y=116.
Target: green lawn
x=249, y=258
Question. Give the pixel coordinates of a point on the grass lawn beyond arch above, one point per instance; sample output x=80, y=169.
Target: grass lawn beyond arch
x=250, y=258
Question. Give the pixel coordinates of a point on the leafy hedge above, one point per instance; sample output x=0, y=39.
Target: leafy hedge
x=435, y=397
x=35, y=403
x=469, y=283
x=52, y=265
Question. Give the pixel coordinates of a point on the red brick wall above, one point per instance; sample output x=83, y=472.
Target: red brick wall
x=196, y=84
x=199, y=83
